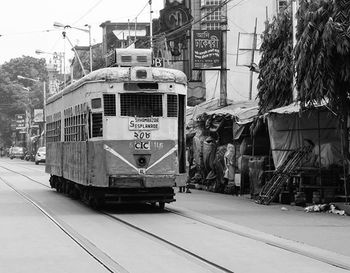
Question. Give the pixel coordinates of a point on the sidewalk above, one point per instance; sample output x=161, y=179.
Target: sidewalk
x=322, y=230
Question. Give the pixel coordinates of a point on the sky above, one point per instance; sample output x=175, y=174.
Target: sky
x=27, y=25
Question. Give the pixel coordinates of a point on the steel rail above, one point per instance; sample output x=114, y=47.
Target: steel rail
x=102, y=258
x=255, y=237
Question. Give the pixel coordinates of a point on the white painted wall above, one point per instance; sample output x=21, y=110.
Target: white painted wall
x=241, y=18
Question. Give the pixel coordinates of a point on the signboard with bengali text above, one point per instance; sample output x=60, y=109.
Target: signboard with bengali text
x=20, y=121
x=207, y=49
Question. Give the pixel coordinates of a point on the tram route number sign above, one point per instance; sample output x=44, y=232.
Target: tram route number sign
x=143, y=124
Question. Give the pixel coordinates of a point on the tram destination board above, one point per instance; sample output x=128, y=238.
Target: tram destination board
x=144, y=124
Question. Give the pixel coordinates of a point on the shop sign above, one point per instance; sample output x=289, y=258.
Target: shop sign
x=207, y=48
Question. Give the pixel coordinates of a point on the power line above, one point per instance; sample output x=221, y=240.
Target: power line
x=134, y=18
x=189, y=24
x=88, y=12
x=27, y=32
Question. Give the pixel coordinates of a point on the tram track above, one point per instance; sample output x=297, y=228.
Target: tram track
x=95, y=252
x=278, y=244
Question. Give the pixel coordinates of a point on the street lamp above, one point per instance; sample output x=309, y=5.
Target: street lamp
x=28, y=118
x=36, y=80
x=44, y=93
x=60, y=25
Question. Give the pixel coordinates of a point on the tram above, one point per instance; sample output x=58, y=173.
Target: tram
x=117, y=134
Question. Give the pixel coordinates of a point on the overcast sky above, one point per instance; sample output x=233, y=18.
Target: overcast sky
x=27, y=25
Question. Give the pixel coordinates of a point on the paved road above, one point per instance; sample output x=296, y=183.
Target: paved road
x=323, y=230
x=320, y=234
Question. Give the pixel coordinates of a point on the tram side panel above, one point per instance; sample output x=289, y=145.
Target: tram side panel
x=54, y=158
x=75, y=161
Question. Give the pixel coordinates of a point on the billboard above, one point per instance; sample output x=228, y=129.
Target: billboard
x=206, y=49
x=38, y=115
x=246, y=47
x=20, y=121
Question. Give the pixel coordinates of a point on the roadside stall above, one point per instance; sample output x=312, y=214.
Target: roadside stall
x=217, y=150
x=306, y=150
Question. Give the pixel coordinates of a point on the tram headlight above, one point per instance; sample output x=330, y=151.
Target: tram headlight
x=141, y=161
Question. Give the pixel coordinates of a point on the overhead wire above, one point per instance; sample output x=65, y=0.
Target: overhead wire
x=134, y=18
x=162, y=36
x=88, y=12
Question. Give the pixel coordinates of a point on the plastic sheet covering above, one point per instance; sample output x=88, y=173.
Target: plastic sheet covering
x=288, y=131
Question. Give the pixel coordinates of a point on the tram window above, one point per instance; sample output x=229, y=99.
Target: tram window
x=96, y=103
x=97, y=125
x=109, y=104
x=172, y=105
x=141, y=105
x=138, y=86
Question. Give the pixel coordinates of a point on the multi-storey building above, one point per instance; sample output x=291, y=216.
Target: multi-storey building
x=246, y=20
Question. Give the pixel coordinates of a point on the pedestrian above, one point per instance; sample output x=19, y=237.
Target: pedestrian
x=229, y=172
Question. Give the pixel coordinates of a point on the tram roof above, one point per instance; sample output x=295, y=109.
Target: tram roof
x=123, y=74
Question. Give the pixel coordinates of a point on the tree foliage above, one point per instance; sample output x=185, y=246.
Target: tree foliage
x=14, y=99
x=323, y=57
x=323, y=53
x=276, y=67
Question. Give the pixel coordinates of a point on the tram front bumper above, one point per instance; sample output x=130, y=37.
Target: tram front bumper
x=138, y=181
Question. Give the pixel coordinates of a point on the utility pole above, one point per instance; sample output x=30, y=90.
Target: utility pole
x=252, y=61
x=223, y=70
x=150, y=25
x=129, y=32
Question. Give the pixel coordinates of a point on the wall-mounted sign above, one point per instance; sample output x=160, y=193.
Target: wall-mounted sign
x=174, y=16
x=207, y=48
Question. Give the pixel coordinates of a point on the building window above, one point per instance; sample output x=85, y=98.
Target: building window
x=210, y=2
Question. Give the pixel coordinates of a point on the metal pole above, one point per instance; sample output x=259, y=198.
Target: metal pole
x=76, y=53
x=44, y=112
x=129, y=32
x=223, y=71
x=64, y=62
x=90, y=47
x=135, y=31
x=252, y=61
x=150, y=24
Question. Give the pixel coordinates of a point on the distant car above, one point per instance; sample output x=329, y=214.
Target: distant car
x=40, y=155
x=17, y=152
